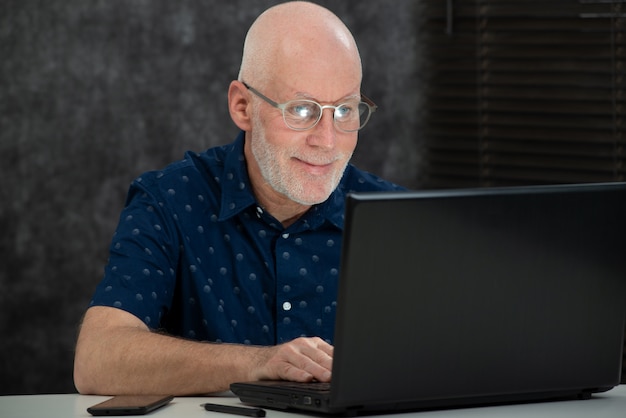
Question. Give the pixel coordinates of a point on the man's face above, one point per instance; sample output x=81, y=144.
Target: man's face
x=305, y=166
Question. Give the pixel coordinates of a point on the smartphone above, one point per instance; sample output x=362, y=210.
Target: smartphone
x=129, y=405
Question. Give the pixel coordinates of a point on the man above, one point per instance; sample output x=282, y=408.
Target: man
x=224, y=265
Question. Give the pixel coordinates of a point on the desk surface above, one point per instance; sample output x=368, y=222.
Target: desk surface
x=610, y=404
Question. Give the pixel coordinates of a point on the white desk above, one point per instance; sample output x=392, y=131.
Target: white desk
x=610, y=404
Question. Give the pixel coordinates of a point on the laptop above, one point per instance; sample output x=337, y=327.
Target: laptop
x=470, y=297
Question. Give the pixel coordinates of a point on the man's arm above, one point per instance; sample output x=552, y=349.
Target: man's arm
x=117, y=354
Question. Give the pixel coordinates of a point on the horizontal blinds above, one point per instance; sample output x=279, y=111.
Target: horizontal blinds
x=524, y=92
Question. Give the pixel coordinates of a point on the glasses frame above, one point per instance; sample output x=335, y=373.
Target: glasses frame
x=282, y=106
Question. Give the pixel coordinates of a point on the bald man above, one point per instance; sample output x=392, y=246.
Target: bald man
x=224, y=265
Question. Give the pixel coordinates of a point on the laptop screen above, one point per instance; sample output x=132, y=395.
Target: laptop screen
x=480, y=293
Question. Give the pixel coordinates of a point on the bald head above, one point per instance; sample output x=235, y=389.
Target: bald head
x=298, y=39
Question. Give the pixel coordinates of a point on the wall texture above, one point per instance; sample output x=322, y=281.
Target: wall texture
x=92, y=93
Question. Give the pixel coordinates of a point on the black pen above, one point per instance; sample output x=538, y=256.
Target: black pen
x=237, y=410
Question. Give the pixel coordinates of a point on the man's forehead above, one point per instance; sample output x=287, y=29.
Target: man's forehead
x=317, y=90
x=309, y=96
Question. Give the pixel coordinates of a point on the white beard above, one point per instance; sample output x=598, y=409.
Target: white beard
x=300, y=187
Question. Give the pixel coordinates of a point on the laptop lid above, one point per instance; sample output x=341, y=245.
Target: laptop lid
x=486, y=295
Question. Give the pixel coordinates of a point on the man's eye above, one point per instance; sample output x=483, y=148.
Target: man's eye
x=303, y=110
x=343, y=111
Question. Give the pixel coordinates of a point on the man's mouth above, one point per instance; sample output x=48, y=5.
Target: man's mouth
x=316, y=167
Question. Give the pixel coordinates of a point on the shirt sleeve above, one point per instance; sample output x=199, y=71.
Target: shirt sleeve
x=140, y=276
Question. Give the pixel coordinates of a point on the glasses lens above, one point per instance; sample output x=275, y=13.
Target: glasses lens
x=351, y=117
x=301, y=114
x=347, y=116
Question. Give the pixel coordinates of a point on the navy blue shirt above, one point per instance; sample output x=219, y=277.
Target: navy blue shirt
x=196, y=256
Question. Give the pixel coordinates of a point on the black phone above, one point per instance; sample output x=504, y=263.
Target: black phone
x=129, y=405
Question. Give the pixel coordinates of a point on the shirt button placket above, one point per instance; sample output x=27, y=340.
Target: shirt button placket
x=283, y=288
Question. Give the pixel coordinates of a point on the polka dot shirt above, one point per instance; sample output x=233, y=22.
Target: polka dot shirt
x=195, y=256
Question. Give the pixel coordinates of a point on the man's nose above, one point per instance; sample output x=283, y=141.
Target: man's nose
x=325, y=132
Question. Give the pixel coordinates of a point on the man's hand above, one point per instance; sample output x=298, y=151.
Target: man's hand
x=300, y=360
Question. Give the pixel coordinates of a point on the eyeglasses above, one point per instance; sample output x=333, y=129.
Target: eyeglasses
x=302, y=114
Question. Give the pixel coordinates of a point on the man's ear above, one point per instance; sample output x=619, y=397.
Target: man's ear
x=239, y=105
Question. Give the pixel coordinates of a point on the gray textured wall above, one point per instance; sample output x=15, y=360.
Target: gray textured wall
x=92, y=93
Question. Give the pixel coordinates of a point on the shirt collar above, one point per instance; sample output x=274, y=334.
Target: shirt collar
x=332, y=210
x=235, y=184
x=237, y=192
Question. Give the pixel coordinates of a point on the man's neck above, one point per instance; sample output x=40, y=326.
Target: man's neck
x=285, y=210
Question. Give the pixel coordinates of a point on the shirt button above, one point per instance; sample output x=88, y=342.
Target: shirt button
x=286, y=306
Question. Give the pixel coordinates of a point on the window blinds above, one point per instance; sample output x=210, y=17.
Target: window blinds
x=524, y=92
